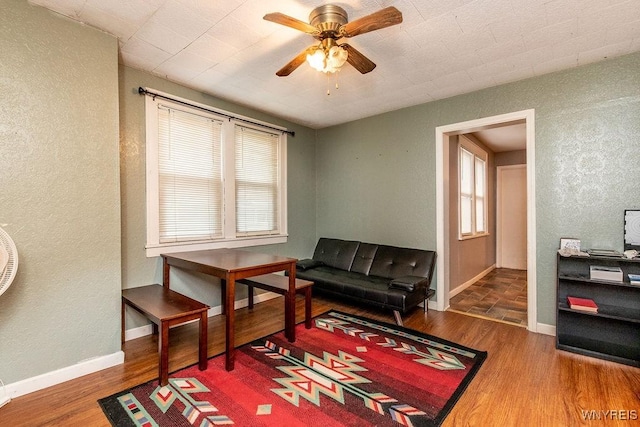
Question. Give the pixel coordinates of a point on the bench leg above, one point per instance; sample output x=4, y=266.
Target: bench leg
x=290, y=316
x=164, y=354
x=250, y=290
x=307, y=307
x=223, y=295
x=122, y=322
x=202, y=342
x=396, y=315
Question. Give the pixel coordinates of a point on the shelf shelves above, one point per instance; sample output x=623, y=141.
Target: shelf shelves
x=597, y=282
x=608, y=311
x=616, y=352
x=613, y=333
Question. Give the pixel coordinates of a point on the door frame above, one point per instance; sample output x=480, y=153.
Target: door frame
x=442, y=205
x=499, y=189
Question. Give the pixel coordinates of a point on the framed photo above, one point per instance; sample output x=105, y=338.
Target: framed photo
x=631, y=229
x=570, y=244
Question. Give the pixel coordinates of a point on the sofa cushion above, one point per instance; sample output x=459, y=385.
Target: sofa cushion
x=306, y=264
x=364, y=258
x=347, y=283
x=406, y=283
x=392, y=262
x=336, y=253
x=329, y=278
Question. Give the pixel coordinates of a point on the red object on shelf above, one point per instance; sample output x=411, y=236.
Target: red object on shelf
x=584, y=304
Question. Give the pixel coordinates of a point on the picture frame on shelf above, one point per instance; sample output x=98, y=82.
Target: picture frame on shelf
x=569, y=244
x=632, y=229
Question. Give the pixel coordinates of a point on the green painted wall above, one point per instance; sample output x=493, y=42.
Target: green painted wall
x=60, y=198
x=74, y=204
x=137, y=269
x=376, y=176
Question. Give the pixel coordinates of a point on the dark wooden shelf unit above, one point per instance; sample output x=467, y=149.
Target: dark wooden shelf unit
x=613, y=333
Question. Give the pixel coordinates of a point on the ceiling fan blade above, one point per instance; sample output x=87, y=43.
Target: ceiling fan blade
x=383, y=18
x=282, y=19
x=295, y=62
x=358, y=60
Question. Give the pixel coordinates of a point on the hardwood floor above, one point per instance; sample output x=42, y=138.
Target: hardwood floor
x=525, y=381
x=500, y=295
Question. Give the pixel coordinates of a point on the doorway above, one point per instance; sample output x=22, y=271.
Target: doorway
x=511, y=217
x=443, y=191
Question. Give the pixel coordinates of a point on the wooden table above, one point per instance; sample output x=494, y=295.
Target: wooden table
x=230, y=265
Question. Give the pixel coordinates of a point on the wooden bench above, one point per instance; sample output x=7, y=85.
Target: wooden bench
x=167, y=308
x=280, y=285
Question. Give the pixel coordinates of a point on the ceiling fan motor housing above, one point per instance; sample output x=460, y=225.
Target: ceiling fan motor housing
x=328, y=19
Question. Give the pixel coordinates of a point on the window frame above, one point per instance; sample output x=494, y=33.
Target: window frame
x=230, y=238
x=467, y=145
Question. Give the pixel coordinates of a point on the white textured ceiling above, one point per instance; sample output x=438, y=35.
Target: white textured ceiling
x=442, y=48
x=501, y=138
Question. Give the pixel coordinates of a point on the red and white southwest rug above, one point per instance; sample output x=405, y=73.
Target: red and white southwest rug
x=346, y=370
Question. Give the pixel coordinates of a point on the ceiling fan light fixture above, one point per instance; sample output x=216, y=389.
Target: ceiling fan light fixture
x=317, y=59
x=328, y=60
x=328, y=24
x=336, y=57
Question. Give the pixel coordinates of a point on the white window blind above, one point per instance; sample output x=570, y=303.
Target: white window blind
x=257, y=183
x=466, y=192
x=190, y=176
x=480, y=178
x=472, y=189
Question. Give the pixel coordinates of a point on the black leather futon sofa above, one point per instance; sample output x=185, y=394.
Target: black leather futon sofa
x=386, y=277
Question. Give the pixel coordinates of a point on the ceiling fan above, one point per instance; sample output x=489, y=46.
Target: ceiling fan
x=328, y=24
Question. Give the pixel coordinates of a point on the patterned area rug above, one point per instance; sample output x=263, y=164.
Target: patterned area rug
x=346, y=370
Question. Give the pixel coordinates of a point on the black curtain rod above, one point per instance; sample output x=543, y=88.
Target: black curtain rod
x=143, y=91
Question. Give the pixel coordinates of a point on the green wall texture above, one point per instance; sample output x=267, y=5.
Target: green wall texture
x=74, y=204
x=60, y=198
x=376, y=176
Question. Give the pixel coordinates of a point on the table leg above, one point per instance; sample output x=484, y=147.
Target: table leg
x=307, y=308
x=202, y=358
x=165, y=273
x=229, y=327
x=223, y=295
x=290, y=305
x=164, y=354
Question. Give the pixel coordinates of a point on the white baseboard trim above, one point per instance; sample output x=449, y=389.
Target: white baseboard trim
x=545, y=329
x=52, y=378
x=90, y=366
x=431, y=305
x=465, y=285
x=141, y=331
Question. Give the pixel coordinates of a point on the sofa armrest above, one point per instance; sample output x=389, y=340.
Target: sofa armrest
x=408, y=283
x=307, y=264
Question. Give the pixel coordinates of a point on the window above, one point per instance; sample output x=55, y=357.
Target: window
x=472, y=189
x=212, y=181
x=257, y=183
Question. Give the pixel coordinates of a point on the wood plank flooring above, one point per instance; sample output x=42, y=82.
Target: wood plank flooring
x=500, y=295
x=525, y=381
